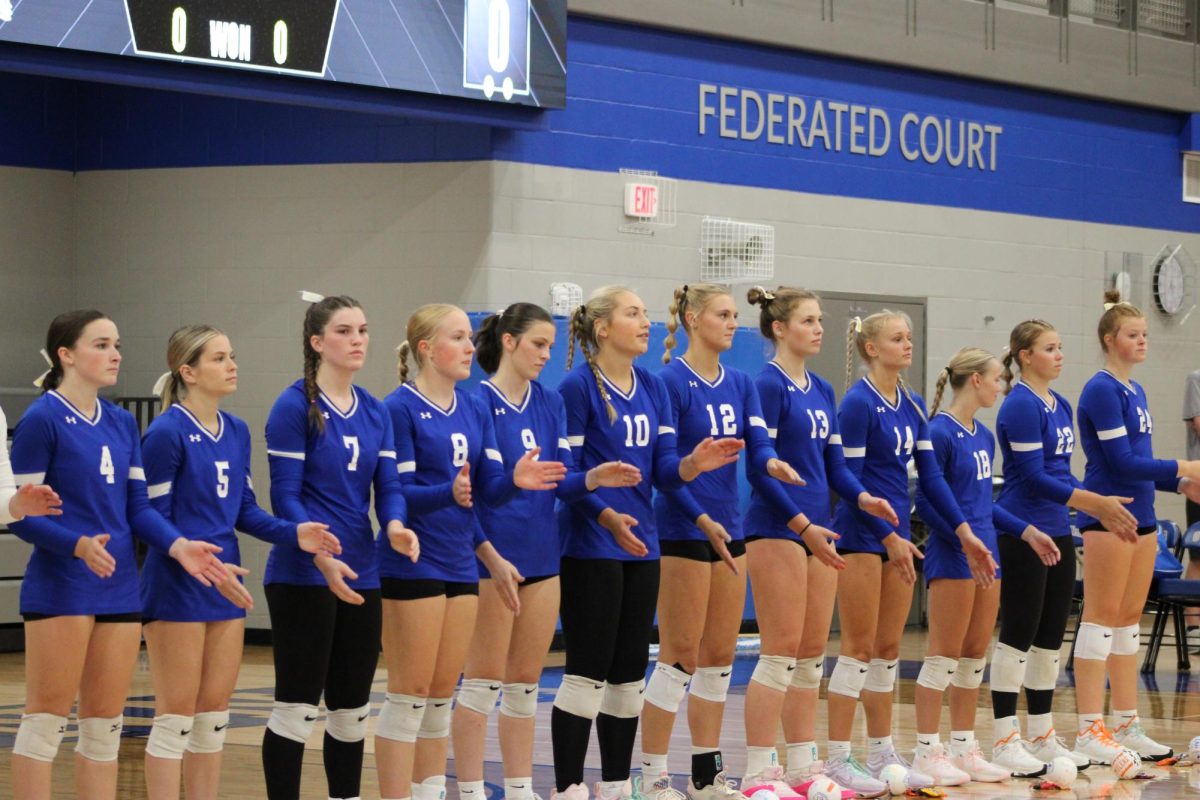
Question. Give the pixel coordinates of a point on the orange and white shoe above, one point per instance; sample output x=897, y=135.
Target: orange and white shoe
x=1097, y=745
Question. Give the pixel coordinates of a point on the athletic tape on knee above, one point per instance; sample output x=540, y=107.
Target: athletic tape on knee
x=666, y=687
x=400, y=717
x=39, y=736
x=1009, y=668
x=711, y=683
x=937, y=672
x=436, y=722
x=479, y=694
x=100, y=738
x=292, y=720
x=1042, y=674
x=622, y=700
x=969, y=673
x=848, y=677
x=519, y=700
x=774, y=672
x=579, y=696
x=169, y=735
x=348, y=724
x=1126, y=640
x=208, y=732
x=809, y=672
x=881, y=675
x=1094, y=642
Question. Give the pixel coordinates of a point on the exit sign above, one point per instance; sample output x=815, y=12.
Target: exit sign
x=641, y=200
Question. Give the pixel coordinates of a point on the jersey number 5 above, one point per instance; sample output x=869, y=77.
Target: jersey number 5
x=222, y=478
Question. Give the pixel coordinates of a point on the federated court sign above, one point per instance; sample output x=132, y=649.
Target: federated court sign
x=834, y=126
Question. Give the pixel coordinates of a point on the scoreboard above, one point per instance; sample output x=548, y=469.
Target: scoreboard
x=506, y=51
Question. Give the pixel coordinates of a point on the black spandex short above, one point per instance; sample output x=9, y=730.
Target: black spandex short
x=695, y=550
x=1144, y=530
x=883, y=556
x=756, y=538
x=402, y=589
x=132, y=616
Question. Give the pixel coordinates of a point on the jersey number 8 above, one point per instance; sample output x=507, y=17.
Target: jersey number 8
x=459, y=442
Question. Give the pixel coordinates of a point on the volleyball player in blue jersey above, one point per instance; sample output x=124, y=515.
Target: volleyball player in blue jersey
x=31, y=500
x=1115, y=429
x=793, y=566
x=883, y=428
x=329, y=444
x=507, y=650
x=79, y=597
x=198, y=477
x=964, y=591
x=1036, y=433
x=700, y=601
x=616, y=411
x=448, y=459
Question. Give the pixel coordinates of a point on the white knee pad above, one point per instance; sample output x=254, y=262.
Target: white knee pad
x=436, y=722
x=348, y=724
x=1126, y=640
x=579, y=696
x=292, y=720
x=1042, y=674
x=969, y=673
x=881, y=675
x=666, y=687
x=479, y=694
x=809, y=672
x=622, y=700
x=39, y=736
x=774, y=672
x=937, y=672
x=519, y=700
x=208, y=732
x=400, y=717
x=100, y=738
x=169, y=735
x=1009, y=668
x=848, y=677
x=1094, y=642
x=711, y=683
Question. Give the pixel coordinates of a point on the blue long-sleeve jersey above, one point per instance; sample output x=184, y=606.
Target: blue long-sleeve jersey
x=879, y=438
x=643, y=435
x=525, y=528
x=1036, y=442
x=328, y=477
x=200, y=481
x=964, y=456
x=802, y=422
x=1115, y=428
x=728, y=407
x=432, y=445
x=95, y=465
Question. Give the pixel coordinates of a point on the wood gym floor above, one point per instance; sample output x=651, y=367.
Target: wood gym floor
x=1170, y=707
